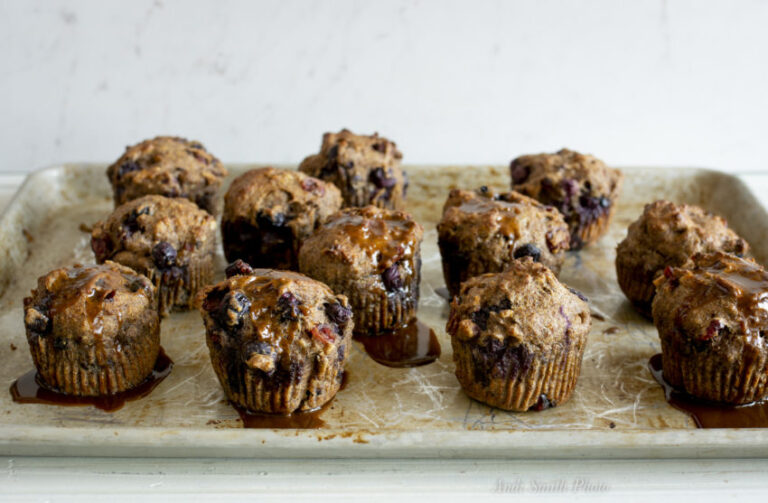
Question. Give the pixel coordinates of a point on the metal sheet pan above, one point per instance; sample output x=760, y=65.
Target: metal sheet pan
x=617, y=410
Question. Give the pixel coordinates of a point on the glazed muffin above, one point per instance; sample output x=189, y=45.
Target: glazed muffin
x=712, y=320
x=372, y=256
x=483, y=231
x=667, y=234
x=167, y=166
x=92, y=330
x=365, y=168
x=269, y=212
x=518, y=337
x=580, y=186
x=171, y=241
x=278, y=340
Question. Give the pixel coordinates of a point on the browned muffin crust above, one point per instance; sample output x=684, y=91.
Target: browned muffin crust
x=171, y=241
x=167, y=166
x=278, y=340
x=580, y=186
x=518, y=337
x=712, y=318
x=269, y=212
x=372, y=256
x=667, y=234
x=365, y=168
x=92, y=330
x=483, y=231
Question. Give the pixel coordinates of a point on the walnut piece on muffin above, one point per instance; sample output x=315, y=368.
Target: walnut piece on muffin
x=278, y=340
x=712, y=318
x=167, y=166
x=93, y=330
x=483, y=231
x=668, y=234
x=580, y=186
x=171, y=241
x=268, y=213
x=365, y=168
x=373, y=256
x=518, y=337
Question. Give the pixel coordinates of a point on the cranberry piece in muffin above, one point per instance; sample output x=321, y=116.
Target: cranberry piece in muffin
x=278, y=340
x=167, y=166
x=667, y=234
x=712, y=319
x=372, y=256
x=580, y=186
x=518, y=337
x=269, y=212
x=93, y=330
x=483, y=231
x=365, y=168
x=171, y=241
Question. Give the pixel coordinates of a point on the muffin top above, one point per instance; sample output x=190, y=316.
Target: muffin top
x=154, y=231
x=87, y=304
x=668, y=234
x=166, y=165
x=502, y=225
x=714, y=299
x=271, y=316
x=281, y=198
x=355, y=161
x=524, y=305
x=363, y=241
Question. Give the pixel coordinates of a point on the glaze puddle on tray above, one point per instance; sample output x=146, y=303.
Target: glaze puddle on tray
x=707, y=414
x=28, y=389
x=411, y=345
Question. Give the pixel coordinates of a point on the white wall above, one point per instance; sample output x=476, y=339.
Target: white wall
x=636, y=82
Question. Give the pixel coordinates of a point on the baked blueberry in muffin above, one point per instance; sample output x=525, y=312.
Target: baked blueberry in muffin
x=580, y=186
x=167, y=166
x=365, y=168
x=171, y=241
x=372, y=256
x=92, y=330
x=518, y=337
x=278, y=340
x=268, y=213
x=484, y=231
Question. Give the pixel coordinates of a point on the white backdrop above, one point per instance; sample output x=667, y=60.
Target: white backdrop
x=643, y=82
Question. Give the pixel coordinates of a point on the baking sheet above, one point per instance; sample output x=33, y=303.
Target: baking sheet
x=617, y=408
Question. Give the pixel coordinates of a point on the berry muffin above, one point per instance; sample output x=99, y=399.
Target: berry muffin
x=712, y=319
x=171, y=241
x=580, y=186
x=667, y=234
x=483, y=231
x=372, y=256
x=365, y=168
x=278, y=340
x=167, y=166
x=93, y=330
x=518, y=337
x=269, y=212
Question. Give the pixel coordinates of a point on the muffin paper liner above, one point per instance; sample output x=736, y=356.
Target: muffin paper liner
x=180, y=293
x=636, y=287
x=583, y=235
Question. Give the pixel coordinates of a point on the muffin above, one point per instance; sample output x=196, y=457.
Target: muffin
x=278, y=340
x=171, y=241
x=483, y=231
x=365, y=168
x=167, y=166
x=372, y=256
x=92, y=330
x=580, y=186
x=712, y=319
x=518, y=337
x=667, y=234
x=269, y=212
